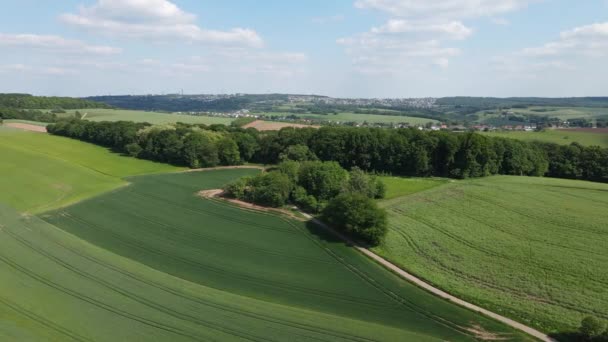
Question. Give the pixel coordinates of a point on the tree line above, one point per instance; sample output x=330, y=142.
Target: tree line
x=26, y=101
x=406, y=152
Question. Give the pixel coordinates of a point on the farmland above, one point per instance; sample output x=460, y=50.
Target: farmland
x=151, y=117
x=360, y=118
x=562, y=137
x=398, y=186
x=249, y=273
x=530, y=248
x=40, y=172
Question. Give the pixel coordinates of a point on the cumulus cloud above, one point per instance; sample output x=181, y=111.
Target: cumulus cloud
x=414, y=23
x=589, y=40
x=153, y=19
x=452, y=30
x=35, y=70
x=449, y=9
x=55, y=44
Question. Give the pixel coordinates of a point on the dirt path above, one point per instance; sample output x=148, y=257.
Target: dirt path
x=27, y=127
x=430, y=288
x=215, y=193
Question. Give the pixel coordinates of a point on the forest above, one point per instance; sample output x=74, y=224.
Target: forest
x=406, y=152
x=26, y=101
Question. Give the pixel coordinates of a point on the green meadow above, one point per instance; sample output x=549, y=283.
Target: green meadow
x=533, y=249
x=42, y=172
x=272, y=278
x=561, y=137
x=361, y=118
x=151, y=117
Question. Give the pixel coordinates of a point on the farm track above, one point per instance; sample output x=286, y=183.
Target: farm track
x=42, y=321
x=421, y=283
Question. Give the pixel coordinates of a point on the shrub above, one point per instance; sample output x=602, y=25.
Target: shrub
x=592, y=327
x=357, y=215
x=133, y=149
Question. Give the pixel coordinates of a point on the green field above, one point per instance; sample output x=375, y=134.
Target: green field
x=40, y=172
x=151, y=117
x=360, y=118
x=247, y=274
x=557, y=136
x=563, y=113
x=530, y=248
x=398, y=186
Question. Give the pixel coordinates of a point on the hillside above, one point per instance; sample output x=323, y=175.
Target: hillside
x=326, y=289
x=26, y=101
x=530, y=248
x=40, y=171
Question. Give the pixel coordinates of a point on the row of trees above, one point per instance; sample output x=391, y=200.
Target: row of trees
x=27, y=114
x=345, y=199
x=396, y=151
x=26, y=101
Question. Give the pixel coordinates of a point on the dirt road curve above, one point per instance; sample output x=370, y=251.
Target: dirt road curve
x=27, y=127
x=405, y=275
x=421, y=283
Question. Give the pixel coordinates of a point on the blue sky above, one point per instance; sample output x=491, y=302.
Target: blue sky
x=343, y=48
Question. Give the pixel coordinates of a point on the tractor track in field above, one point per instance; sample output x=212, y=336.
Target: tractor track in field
x=428, y=287
x=196, y=299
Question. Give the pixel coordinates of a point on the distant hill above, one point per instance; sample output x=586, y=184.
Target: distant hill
x=27, y=101
x=514, y=102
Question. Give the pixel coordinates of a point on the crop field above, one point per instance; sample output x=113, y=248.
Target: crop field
x=361, y=118
x=533, y=249
x=562, y=137
x=35, y=123
x=151, y=117
x=199, y=268
x=563, y=113
x=398, y=186
x=41, y=172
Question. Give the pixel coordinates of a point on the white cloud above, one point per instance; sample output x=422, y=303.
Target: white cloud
x=414, y=23
x=590, y=40
x=156, y=20
x=55, y=44
x=452, y=30
x=450, y=9
x=35, y=70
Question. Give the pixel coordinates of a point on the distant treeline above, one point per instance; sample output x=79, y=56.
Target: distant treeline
x=26, y=101
x=27, y=114
x=406, y=152
x=186, y=103
x=522, y=102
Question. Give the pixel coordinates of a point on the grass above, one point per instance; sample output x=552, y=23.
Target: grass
x=563, y=113
x=360, y=118
x=398, y=187
x=558, y=137
x=151, y=117
x=42, y=172
x=533, y=249
x=295, y=281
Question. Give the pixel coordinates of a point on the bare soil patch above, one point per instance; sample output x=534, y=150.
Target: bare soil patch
x=218, y=194
x=262, y=125
x=27, y=127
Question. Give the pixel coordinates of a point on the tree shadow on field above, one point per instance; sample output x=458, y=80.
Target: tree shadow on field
x=328, y=235
x=571, y=336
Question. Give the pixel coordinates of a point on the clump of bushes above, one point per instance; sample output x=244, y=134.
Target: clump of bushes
x=593, y=329
x=345, y=199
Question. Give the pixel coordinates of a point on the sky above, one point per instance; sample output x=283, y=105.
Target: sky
x=340, y=48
